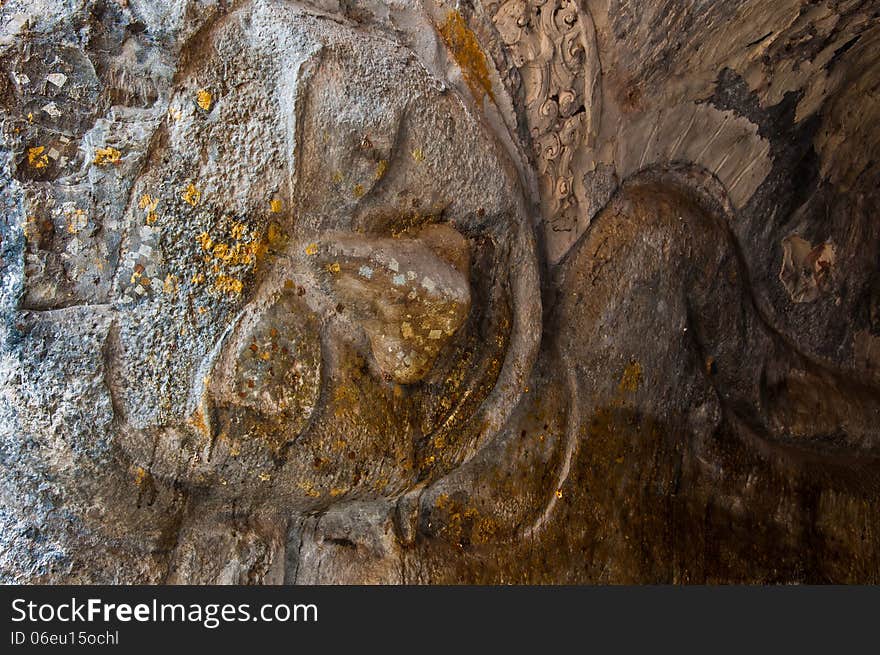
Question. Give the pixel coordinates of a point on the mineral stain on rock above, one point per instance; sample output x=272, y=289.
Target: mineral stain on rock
x=468, y=54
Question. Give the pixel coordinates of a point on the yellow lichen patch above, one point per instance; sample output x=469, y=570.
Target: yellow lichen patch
x=312, y=249
x=37, y=157
x=198, y=278
x=358, y=190
x=632, y=376
x=418, y=155
x=191, y=195
x=334, y=267
x=337, y=177
x=275, y=205
x=466, y=51
x=204, y=99
x=30, y=115
x=381, y=169
x=226, y=284
x=559, y=493
x=107, y=156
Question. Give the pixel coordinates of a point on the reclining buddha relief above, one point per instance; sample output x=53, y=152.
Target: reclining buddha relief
x=530, y=291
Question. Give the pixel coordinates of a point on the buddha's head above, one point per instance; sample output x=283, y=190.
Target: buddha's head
x=328, y=285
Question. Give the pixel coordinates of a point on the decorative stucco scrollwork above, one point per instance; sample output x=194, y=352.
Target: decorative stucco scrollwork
x=552, y=43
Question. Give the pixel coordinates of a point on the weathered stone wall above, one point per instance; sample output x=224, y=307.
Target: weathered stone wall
x=518, y=291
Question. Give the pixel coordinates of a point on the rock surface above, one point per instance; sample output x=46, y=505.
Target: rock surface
x=430, y=292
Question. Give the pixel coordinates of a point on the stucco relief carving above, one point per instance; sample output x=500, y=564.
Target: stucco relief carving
x=553, y=45
x=282, y=305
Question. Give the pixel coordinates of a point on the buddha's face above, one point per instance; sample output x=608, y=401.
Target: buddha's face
x=340, y=228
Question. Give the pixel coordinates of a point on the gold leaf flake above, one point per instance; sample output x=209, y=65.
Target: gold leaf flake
x=238, y=230
x=204, y=99
x=37, y=158
x=106, y=156
x=148, y=202
x=226, y=284
x=191, y=195
x=205, y=241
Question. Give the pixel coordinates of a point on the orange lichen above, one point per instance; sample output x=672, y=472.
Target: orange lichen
x=275, y=206
x=381, y=169
x=466, y=51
